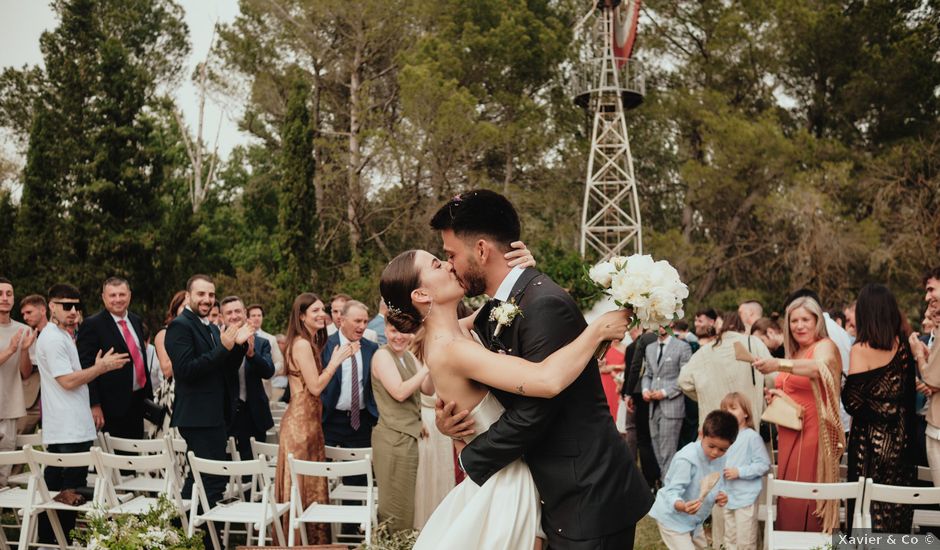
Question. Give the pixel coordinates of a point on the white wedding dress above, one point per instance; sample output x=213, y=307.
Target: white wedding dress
x=503, y=514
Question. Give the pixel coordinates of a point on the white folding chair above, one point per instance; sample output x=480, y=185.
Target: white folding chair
x=161, y=464
x=339, y=491
x=792, y=540
x=25, y=440
x=254, y=515
x=876, y=492
x=41, y=498
x=270, y=452
x=361, y=515
x=142, y=482
x=16, y=499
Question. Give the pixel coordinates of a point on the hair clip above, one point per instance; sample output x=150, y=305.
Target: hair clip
x=392, y=309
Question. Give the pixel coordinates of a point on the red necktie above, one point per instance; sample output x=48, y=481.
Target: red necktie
x=354, y=402
x=135, y=354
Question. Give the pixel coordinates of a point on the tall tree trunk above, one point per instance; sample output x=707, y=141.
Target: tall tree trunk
x=355, y=155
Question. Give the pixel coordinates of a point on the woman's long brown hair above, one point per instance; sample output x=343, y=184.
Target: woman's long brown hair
x=297, y=329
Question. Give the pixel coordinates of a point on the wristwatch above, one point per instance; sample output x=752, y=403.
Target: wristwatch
x=785, y=365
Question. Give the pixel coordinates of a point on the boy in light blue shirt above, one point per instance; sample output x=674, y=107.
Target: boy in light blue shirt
x=680, y=510
x=745, y=464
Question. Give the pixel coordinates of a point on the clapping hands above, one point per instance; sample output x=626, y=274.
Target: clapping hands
x=237, y=334
x=344, y=352
x=109, y=361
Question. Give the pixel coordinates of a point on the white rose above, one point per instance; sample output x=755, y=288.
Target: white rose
x=602, y=274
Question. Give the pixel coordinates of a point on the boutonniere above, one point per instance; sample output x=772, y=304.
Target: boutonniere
x=503, y=314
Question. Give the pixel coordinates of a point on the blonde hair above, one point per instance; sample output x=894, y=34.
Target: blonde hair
x=789, y=343
x=743, y=402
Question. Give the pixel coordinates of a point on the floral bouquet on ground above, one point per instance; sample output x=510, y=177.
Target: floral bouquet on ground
x=652, y=290
x=153, y=530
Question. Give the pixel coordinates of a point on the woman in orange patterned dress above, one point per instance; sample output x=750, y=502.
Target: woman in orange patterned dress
x=301, y=432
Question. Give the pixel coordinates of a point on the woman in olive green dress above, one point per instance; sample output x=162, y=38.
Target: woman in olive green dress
x=396, y=383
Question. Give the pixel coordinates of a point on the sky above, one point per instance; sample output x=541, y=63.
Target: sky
x=23, y=21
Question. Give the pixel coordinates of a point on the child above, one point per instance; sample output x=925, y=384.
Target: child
x=679, y=510
x=746, y=463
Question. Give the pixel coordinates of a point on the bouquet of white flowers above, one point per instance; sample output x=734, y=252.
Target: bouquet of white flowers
x=151, y=530
x=653, y=290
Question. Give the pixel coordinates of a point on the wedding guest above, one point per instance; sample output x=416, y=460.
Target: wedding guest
x=640, y=408
x=117, y=398
x=681, y=329
x=35, y=314
x=629, y=428
x=377, y=324
x=435, y=477
x=349, y=410
x=928, y=362
x=704, y=319
x=849, y=313
x=256, y=318
x=714, y=371
x=251, y=410
x=769, y=331
x=397, y=378
x=337, y=302
x=747, y=462
x=661, y=390
x=215, y=316
x=750, y=311
x=15, y=341
x=811, y=358
x=879, y=394
x=837, y=316
x=301, y=431
x=205, y=363
x=68, y=426
x=612, y=365
x=840, y=338
x=680, y=509
x=165, y=393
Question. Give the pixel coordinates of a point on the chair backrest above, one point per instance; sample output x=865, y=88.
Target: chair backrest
x=29, y=440
x=815, y=491
x=38, y=460
x=227, y=467
x=12, y=458
x=331, y=469
x=114, y=463
x=137, y=446
x=269, y=450
x=339, y=454
x=876, y=492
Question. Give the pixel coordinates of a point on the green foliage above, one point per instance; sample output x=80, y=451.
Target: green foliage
x=152, y=530
x=566, y=267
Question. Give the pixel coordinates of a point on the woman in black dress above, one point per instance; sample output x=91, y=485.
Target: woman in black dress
x=879, y=394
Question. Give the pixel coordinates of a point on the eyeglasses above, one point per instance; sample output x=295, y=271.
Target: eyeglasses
x=70, y=306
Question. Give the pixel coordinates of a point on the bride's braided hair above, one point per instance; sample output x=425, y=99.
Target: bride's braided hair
x=399, y=278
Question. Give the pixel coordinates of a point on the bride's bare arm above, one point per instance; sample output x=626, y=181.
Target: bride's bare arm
x=547, y=378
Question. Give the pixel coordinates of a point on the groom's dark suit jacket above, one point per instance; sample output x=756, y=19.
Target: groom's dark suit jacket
x=589, y=486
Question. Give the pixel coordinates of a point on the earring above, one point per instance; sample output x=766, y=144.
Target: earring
x=430, y=306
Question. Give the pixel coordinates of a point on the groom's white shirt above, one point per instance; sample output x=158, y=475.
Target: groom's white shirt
x=505, y=287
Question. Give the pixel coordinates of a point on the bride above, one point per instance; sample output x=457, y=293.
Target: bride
x=503, y=513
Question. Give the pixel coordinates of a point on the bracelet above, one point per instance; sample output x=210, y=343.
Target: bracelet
x=785, y=365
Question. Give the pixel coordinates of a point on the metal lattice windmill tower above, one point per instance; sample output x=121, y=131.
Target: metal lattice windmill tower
x=609, y=84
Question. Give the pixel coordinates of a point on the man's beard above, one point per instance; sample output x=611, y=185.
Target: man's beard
x=474, y=281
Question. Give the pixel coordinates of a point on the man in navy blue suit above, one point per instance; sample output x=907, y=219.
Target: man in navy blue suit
x=251, y=412
x=349, y=410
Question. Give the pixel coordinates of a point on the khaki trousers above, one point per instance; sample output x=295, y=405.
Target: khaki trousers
x=740, y=528
x=7, y=443
x=933, y=459
x=675, y=540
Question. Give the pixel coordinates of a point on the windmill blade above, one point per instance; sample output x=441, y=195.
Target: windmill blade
x=626, y=18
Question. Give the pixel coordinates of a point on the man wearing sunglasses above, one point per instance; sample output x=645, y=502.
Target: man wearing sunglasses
x=67, y=424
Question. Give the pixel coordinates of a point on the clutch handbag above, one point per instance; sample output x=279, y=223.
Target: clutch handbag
x=784, y=411
x=154, y=413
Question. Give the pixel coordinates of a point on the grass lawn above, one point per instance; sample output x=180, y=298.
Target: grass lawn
x=647, y=535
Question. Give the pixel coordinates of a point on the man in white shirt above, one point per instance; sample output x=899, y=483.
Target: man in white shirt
x=15, y=340
x=274, y=387
x=67, y=424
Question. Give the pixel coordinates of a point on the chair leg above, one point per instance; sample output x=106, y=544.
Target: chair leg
x=225, y=533
x=278, y=530
x=4, y=545
x=214, y=535
x=57, y=529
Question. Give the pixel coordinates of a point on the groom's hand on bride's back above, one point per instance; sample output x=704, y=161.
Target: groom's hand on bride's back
x=520, y=255
x=452, y=425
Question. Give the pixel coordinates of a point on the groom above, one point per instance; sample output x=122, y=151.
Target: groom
x=591, y=493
